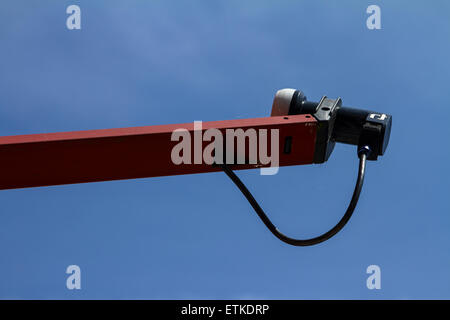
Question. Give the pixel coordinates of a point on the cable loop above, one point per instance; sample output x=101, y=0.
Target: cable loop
x=362, y=154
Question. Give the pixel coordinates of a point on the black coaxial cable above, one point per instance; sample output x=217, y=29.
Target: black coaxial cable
x=362, y=154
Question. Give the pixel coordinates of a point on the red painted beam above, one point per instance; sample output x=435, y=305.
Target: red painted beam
x=127, y=153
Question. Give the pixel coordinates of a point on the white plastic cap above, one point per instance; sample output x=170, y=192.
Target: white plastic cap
x=282, y=102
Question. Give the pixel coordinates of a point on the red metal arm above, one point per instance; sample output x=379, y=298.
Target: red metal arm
x=127, y=153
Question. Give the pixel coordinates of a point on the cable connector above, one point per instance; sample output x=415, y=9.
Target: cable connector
x=364, y=150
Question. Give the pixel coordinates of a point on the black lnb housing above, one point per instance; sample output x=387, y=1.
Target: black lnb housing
x=337, y=123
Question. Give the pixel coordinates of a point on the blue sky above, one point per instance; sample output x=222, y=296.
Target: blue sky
x=139, y=63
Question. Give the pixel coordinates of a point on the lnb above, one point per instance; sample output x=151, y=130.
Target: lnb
x=336, y=123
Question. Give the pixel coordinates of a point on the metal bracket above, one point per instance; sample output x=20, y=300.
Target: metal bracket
x=325, y=114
